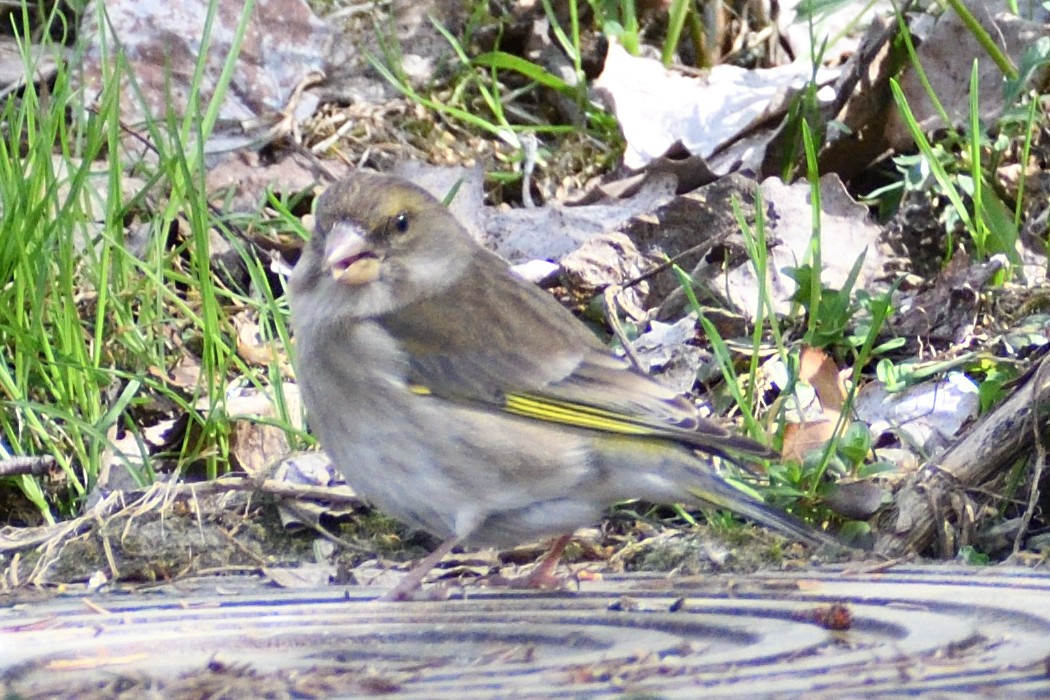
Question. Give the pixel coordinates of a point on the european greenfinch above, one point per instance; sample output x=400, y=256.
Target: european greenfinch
x=467, y=402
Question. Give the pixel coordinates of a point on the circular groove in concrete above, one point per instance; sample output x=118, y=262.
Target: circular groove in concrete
x=949, y=631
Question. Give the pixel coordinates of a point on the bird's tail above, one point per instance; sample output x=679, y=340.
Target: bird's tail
x=720, y=493
x=656, y=471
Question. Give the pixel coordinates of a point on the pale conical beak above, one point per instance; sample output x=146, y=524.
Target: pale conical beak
x=348, y=256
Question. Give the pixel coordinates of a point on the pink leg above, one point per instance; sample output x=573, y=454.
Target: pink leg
x=411, y=581
x=543, y=575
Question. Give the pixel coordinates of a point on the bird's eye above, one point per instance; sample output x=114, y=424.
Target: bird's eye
x=401, y=222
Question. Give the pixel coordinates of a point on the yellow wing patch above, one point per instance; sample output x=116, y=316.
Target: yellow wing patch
x=565, y=413
x=574, y=414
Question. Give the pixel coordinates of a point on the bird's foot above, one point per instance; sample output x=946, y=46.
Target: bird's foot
x=546, y=581
x=431, y=594
x=542, y=576
x=410, y=585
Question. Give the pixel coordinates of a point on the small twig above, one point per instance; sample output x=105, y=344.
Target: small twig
x=531, y=148
x=282, y=489
x=107, y=548
x=313, y=524
x=95, y=607
x=612, y=317
x=35, y=465
x=704, y=247
x=115, y=504
x=1040, y=458
x=326, y=143
x=288, y=124
x=261, y=561
x=214, y=570
x=998, y=438
x=876, y=568
x=12, y=571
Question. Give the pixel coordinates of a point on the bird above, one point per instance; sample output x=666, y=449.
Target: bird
x=465, y=401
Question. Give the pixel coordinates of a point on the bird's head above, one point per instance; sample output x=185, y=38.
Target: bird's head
x=380, y=244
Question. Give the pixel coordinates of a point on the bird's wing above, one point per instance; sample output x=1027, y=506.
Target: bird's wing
x=564, y=375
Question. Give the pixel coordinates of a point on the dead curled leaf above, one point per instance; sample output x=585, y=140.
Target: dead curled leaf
x=837, y=617
x=605, y=260
x=819, y=371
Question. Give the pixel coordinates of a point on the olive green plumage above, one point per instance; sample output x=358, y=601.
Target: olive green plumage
x=466, y=401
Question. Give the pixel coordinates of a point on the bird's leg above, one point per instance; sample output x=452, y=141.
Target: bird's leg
x=411, y=581
x=542, y=576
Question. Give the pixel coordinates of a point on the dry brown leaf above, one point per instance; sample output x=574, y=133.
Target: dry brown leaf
x=255, y=444
x=820, y=371
x=800, y=438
